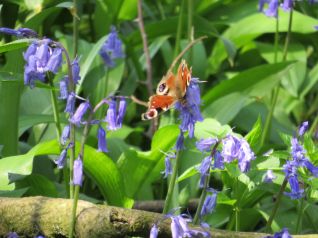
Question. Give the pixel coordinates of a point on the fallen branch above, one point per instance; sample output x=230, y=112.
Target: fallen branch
x=31, y=216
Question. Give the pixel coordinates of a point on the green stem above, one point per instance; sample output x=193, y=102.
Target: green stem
x=287, y=40
x=237, y=219
x=77, y=187
x=190, y=23
x=171, y=185
x=74, y=208
x=313, y=126
x=276, y=40
x=179, y=30
x=300, y=214
x=75, y=28
x=275, y=209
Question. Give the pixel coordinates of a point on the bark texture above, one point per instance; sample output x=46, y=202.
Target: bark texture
x=31, y=216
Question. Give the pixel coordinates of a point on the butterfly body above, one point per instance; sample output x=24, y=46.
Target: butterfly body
x=170, y=90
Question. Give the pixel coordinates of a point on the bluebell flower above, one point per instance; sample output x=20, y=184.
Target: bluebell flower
x=269, y=176
x=102, y=145
x=41, y=57
x=63, y=88
x=230, y=149
x=79, y=113
x=282, y=234
x=298, y=152
x=296, y=192
x=12, y=235
x=180, y=141
x=204, y=170
x=205, y=144
x=209, y=204
x=190, y=111
x=21, y=32
x=245, y=156
x=272, y=10
x=168, y=166
x=287, y=5
x=176, y=228
x=121, y=112
x=65, y=134
x=76, y=70
x=78, y=171
x=111, y=115
x=303, y=128
x=111, y=49
x=154, y=231
x=60, y=162
x=261, y=4
x=54, y=63
x=313, y=169
x=70, y=103
x=218, y=161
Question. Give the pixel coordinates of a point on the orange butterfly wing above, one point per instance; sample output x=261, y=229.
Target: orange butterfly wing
x=157, y=104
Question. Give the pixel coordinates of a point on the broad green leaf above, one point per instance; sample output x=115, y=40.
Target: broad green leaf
x=97, y=165
x=14, y=45
x=9, y=113
x=37, y=20
x=128, y=10
x=252, y=82
x=27, y=121
x=254, y=136
x=14, y=193
x=211, y=128
x=88, y=61
x=249, y=28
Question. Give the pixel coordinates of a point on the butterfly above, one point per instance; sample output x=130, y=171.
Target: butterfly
x=171, y=89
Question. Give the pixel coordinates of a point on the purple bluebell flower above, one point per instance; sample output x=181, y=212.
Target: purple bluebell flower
x=316, y=27
x=180, y=141
x=261, y=4
x=102, y=145
x=154, y=231
x=204, y=170
x=79, y=113
x=245, y=156
x=313, y=169
x=209, y=204
x=60, y=162
x=65, y=134
x=230, y=150
x=41, y=56
x=111, y=49
x=272, y=10
x=205, y=144
x=12, y=235
x=282, y=234
x=121, y=112
x=63, y=88
x=76, y=70
x=168, y=166
x=70, y=103
x=287, y=5
x=176, y=228
x=269, y=176
x=111, y=115
x=303, y=128
x=296, y=192
x=190, y=111
x=54, y=63
x=21, y=32
x=298, y=152
x=78, y=171
x=218, y=161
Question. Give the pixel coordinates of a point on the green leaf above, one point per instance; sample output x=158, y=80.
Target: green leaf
x=97, y=165
x=128, y=10
x=211, y=128
x=249, y=28
x=88, y=61
x=37, y=20
x=27, y=121
x=9, y=104
x=254, y=136
x=14, y=45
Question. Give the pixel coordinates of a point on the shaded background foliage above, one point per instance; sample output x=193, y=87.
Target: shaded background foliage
x=236, y=60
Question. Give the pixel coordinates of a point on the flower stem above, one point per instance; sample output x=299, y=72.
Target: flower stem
x=77, y=187
x=287, y=39
x=75, y=28
x=190, y=28
x=300, y=214
x=172, y=183
x=179, y=30
x=274, y=211
x=204, y=192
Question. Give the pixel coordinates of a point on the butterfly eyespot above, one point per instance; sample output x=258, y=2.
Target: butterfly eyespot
x=161, y=87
